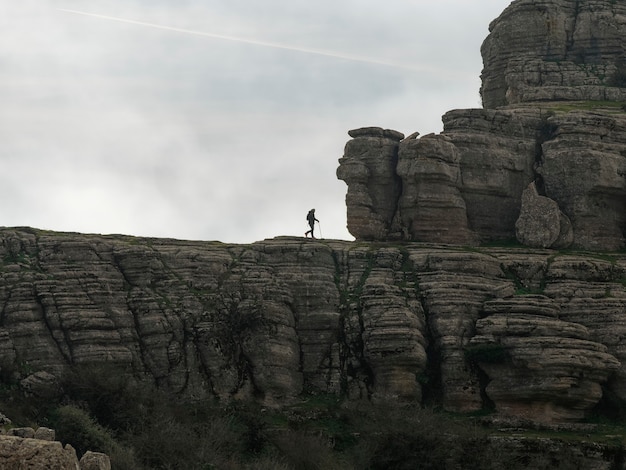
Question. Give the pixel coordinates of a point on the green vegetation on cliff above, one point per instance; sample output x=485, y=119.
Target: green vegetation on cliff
x=142, y=428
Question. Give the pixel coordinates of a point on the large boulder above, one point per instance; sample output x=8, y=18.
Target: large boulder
x=541, y=224
x=95, y=461
x=17, y=453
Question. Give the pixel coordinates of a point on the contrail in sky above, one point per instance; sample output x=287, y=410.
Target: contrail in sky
x=335, y=55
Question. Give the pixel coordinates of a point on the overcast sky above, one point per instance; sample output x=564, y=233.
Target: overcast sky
x=215, y=119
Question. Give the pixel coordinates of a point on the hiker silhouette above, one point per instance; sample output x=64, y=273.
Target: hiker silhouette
x=311, y=219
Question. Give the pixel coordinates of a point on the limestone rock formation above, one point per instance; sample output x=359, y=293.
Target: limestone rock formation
x=384, y=328
x=27, y=449
x=498, y=153
x=17, y=453
x=539, y=366
x=538, y=333
x=583, y=167
x=95, y=461
x=41, y=384
x=368, y=166
x=541, y=224
x=553, y=50
x=553, y=87
x=431, y=180
x=273, y=319
x=463, y=186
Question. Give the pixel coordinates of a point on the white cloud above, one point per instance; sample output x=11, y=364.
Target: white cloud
x=120, y=128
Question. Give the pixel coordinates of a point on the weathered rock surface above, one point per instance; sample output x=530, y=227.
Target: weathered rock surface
x=465, y=185
x=369, y=169
x=17, y=453
x=583, y=167
x=527, y=352
x=431, y=180
x=270, y=320
x=95, y=461
x=498, y=154
x=553, y=87
x=538, y=333
x=541, y=224
x=27, y=449
x=549, y=50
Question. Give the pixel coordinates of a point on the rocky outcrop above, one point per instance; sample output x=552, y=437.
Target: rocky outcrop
x=551, y=50
x=270, y=320
x=27, y=449
x=553, y=87
x=465, y=185
x=431, y=180
x=95, y=461
x=498, y=153
x=583, y=168
x=369, y=169
x=454, y=287
x=541, y=224
x=536, y=333
x=526, y=351
x=17, y=453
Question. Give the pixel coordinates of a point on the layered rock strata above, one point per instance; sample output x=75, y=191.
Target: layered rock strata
x=274, y=319
x=553, y=88
x=369, y=169
x=526, y=351
x=553, y=50
x=431, y=180
x=583, y=168
x=465, y=186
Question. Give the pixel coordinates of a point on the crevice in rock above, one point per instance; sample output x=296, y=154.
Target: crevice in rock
x=140, y=342
x=354, y=366
x=201, y=363
x=545, y=132
x=569, y=44
x=398, y=190
x=342, y=340
x=6, y=302
x=430, y=379
x=68, y=356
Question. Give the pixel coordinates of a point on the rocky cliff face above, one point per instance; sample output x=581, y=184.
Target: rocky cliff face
x=552, y=50
x=553, y=87
x=428, y=315
x=271, y=320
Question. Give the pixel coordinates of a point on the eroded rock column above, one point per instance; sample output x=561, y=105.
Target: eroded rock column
x=369, y=169
x=431, y=207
